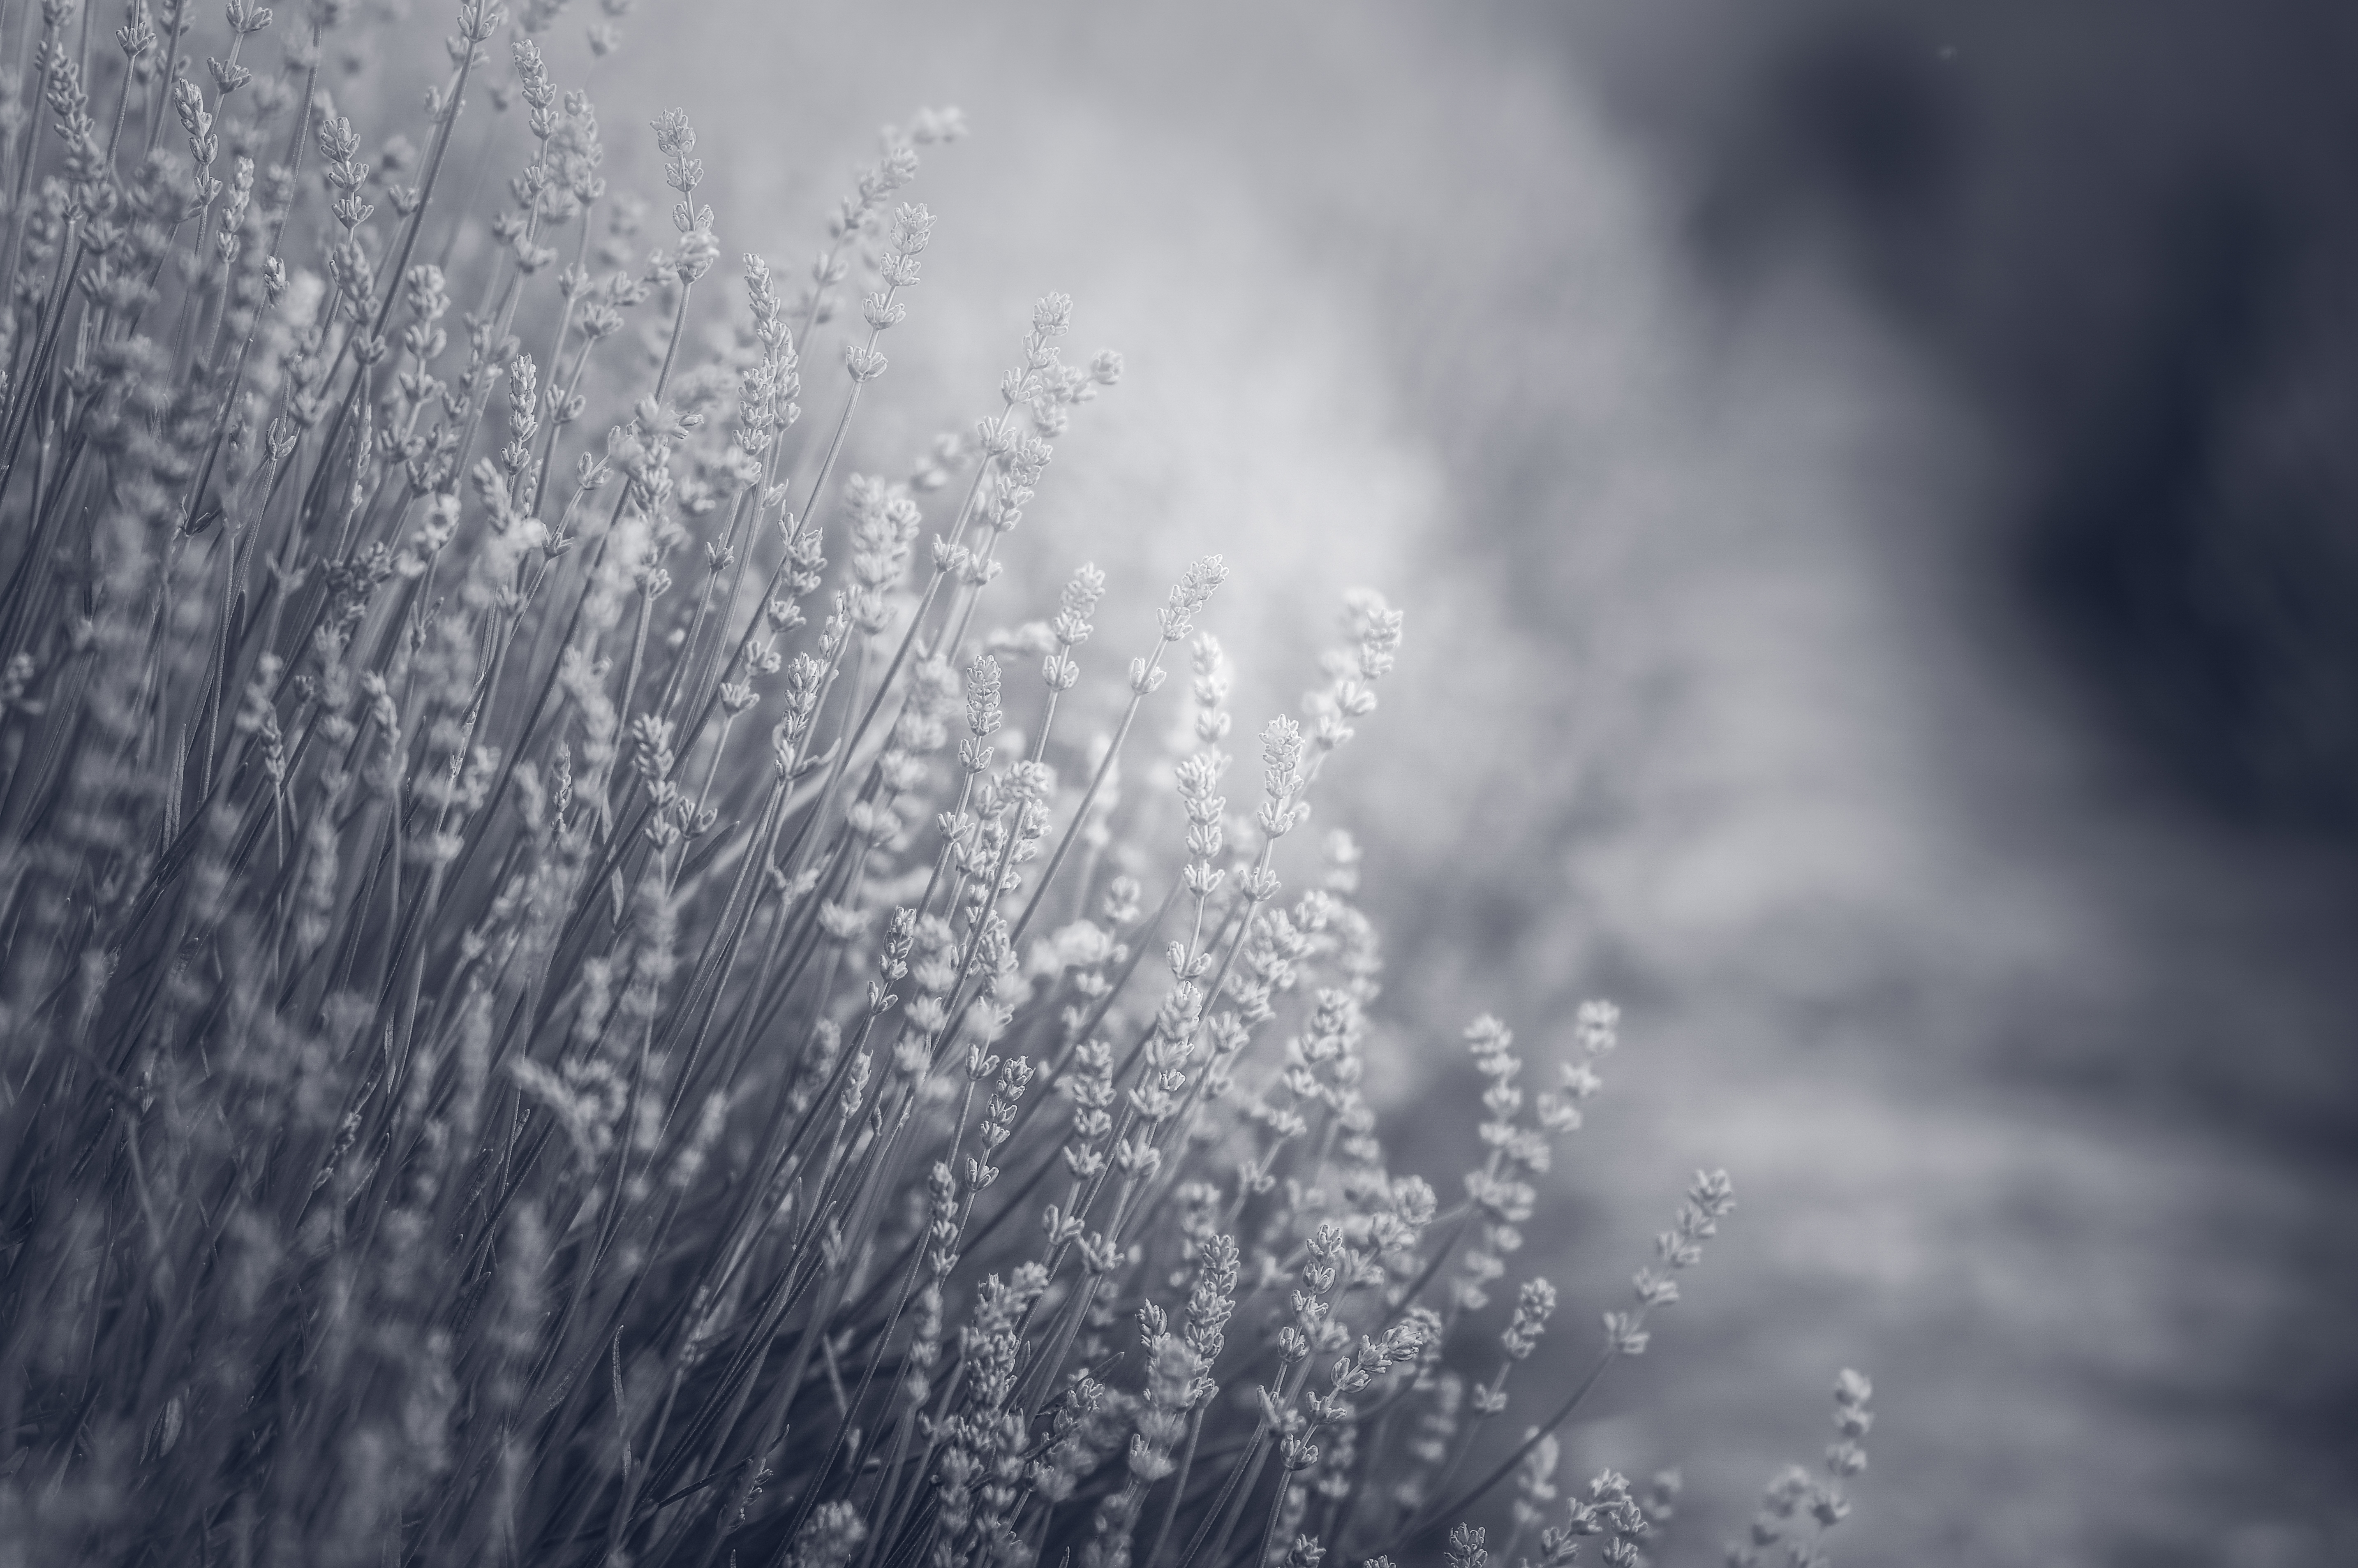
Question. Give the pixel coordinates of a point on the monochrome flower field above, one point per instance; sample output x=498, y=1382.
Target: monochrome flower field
x=581, y=984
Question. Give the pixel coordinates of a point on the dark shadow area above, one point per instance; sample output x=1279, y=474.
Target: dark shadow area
x=2131, y=231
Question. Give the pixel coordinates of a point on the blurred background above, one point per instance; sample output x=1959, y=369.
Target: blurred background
x=1871, y=486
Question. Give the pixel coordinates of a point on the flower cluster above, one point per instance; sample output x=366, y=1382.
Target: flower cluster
x=464, y=1097
x=1798, y=1508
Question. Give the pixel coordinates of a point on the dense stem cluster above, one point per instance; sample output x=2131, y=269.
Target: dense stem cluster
x=543, y=1023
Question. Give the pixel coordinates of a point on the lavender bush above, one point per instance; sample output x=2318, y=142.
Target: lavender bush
x=542, y=1021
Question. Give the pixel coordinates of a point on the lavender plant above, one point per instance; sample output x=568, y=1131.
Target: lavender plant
x=465, y=1097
